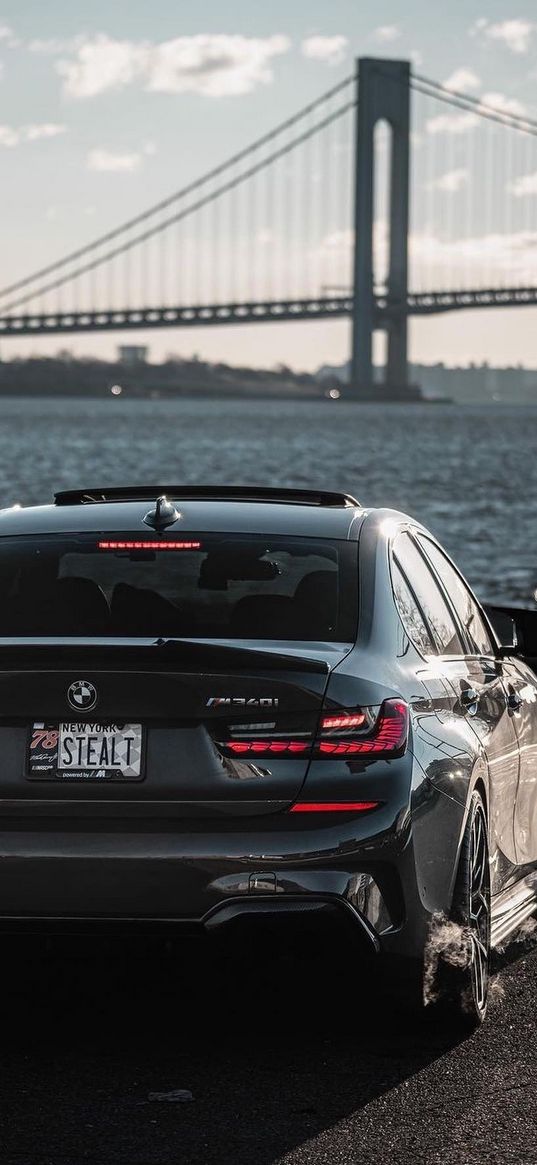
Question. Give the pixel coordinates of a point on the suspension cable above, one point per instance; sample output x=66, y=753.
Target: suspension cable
x=209, y=176
x=472, y=104
x=205, y=200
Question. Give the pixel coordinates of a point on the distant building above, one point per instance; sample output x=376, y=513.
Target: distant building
x=132, y=353
x=471, y=384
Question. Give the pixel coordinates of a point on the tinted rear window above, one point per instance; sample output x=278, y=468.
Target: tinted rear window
x=216, y=586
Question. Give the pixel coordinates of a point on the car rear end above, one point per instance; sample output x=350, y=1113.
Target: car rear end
x=184, y=744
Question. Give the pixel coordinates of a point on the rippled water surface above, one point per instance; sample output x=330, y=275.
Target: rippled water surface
x=470, y=474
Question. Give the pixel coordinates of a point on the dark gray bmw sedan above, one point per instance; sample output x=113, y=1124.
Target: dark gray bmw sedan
x=248, y=706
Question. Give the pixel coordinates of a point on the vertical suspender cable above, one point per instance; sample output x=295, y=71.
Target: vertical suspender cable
x=270, y=212
x=509, y=269
x=430, y=274
x=333, y=159
x=249, y=237
x=486, y=221
x=196, y=222
x=322, y=227
x=213, y=266
x=530, y=237
x=347, y=204
x=311, y=209
x=281, y=250
x=470, y=168
x=298, y=224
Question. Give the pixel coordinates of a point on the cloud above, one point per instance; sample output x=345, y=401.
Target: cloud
x=387, y=33
x=107, y=161
x=523, y=185
x=11, y=136
x=213, y=65
x=47, y=129
x=6, y=33
x=450, y=182
x=118, y=162
x=8, y=136
x=462, y=79
x=330, y=49
x=515, y=34
x=102, y=64
x=451, y=123
x=507, y=254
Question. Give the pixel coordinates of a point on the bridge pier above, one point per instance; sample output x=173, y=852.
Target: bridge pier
x=383, y=92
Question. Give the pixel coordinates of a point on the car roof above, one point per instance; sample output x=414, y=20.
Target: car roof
x=304, y=513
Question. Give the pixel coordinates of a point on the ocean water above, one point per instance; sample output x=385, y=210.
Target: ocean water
x=468, y=473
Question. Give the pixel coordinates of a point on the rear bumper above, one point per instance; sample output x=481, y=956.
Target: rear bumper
x=296, y=916
x=373, y=876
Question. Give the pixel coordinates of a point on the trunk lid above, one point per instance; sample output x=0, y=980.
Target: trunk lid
x=190, y=699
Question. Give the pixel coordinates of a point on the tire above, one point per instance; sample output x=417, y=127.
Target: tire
x=467, y=988
x=449, y=983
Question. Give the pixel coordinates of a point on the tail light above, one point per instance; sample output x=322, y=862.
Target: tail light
x=267, y=747
x=361, y=732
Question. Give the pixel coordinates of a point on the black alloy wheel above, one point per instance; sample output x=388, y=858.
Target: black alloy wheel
x=471, y=910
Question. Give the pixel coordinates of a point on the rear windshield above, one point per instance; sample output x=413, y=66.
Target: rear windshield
x=223, y=586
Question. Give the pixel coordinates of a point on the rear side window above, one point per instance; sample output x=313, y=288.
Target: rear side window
x=193, y=585
x=429, y=596
x=410, y=613
x=462, y=599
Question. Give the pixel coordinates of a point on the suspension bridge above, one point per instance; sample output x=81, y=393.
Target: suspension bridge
x=390, y=196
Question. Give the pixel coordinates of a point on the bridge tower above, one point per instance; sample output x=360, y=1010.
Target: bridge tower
x=383, y=95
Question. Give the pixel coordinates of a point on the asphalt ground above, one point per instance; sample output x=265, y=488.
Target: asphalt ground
x=285, y=1061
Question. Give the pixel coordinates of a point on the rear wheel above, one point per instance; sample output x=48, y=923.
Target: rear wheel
x=469, y=983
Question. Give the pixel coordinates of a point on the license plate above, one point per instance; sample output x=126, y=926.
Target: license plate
x=85, y=752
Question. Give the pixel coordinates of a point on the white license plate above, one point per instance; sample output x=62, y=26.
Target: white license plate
x=85, y=751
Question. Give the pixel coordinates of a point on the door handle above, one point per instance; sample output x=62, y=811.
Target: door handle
x=470, y=700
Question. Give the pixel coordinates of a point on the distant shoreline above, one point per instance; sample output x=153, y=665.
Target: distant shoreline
x=258, y=397
x=64, y=377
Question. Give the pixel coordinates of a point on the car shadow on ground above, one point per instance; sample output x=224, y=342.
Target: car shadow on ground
x=272, y=1049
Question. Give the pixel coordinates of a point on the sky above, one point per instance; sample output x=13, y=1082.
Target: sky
x=107, y=108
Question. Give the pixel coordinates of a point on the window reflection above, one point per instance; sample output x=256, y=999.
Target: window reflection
x=463, y=601
x=428, y=596
x=410, y=613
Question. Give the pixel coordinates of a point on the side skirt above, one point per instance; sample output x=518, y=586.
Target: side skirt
x=511, y=908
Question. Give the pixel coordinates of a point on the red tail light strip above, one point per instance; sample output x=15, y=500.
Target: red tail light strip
x=271, y=746
x=333, y=806
x=390, y=734
x=149, y=545
x=343, y=723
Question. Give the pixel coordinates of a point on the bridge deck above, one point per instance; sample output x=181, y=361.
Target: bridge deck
x=267, y=311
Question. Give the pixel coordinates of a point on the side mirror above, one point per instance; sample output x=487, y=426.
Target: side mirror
x=505, y=628
x=506, y=631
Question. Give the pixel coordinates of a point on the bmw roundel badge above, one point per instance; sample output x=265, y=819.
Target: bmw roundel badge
x=82, y=696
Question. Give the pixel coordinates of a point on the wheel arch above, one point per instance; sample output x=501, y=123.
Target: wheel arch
x=481, y=788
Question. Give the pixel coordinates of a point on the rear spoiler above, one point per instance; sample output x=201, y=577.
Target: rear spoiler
x=168, y=654
x=217, y=655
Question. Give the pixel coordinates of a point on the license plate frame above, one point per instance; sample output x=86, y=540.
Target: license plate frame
x=47, y=750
